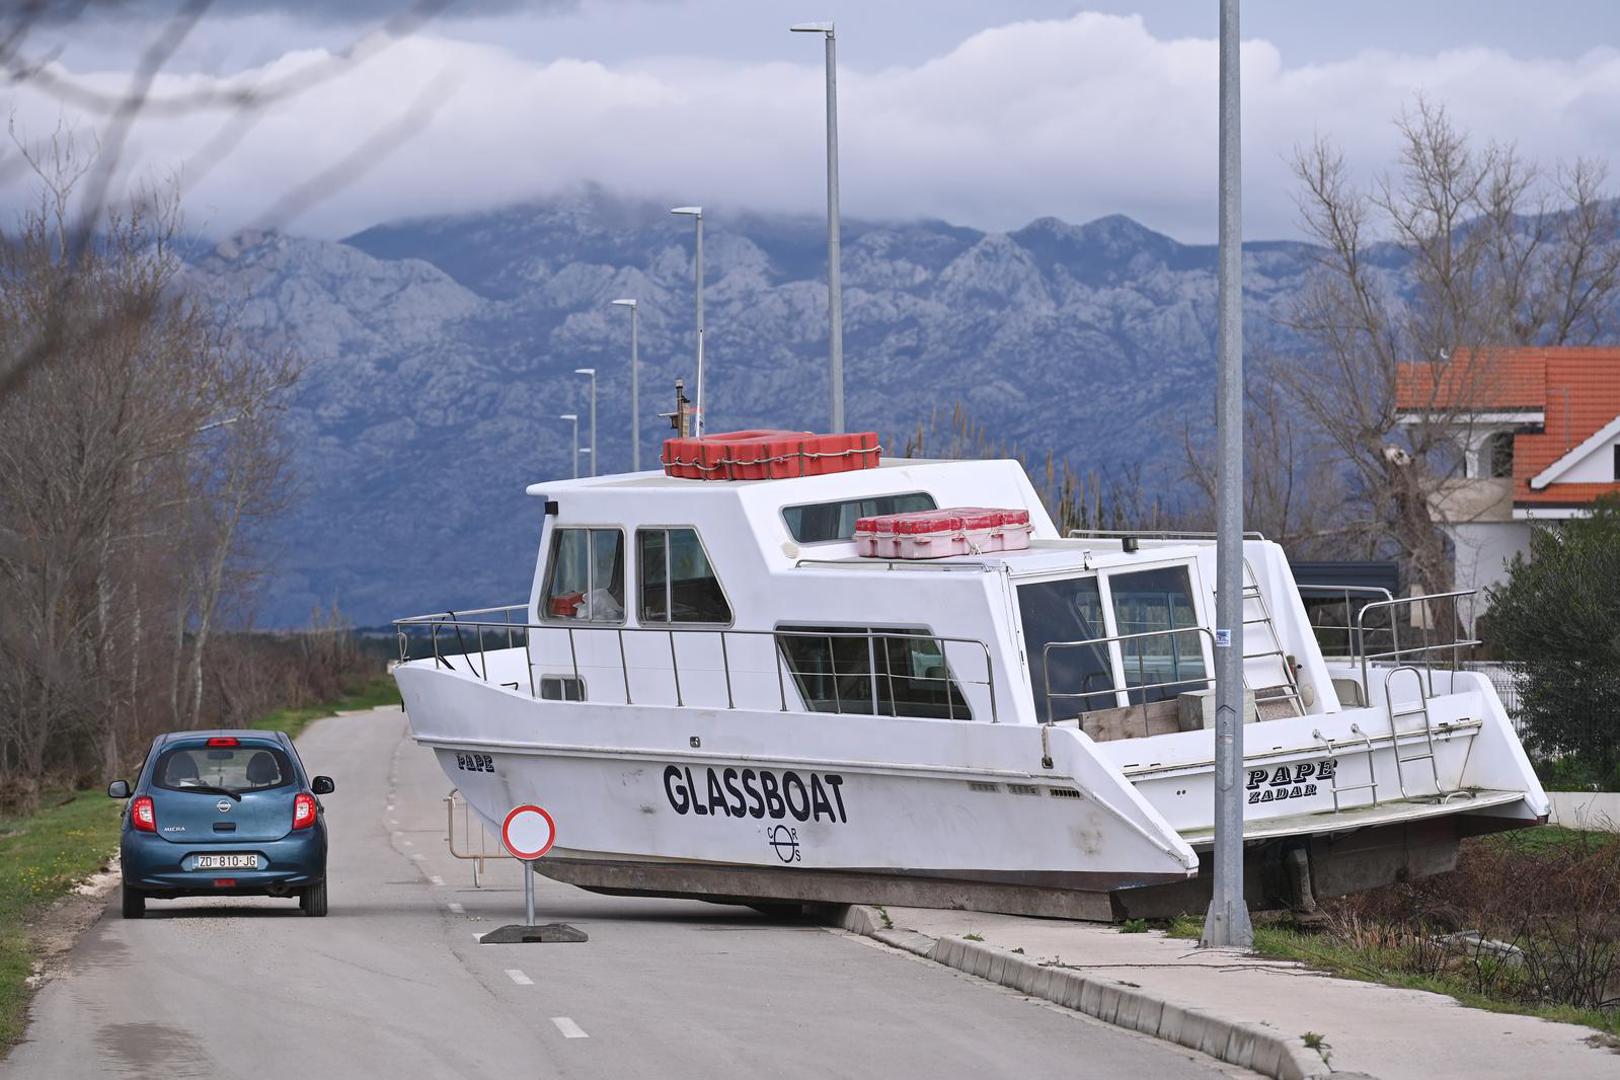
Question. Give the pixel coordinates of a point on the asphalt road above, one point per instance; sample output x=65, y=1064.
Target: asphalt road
x=393, y=983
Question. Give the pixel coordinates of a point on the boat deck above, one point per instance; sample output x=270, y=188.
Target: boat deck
x=1359, y=817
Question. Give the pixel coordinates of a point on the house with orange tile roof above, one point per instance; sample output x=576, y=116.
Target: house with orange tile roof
x=1538, y=432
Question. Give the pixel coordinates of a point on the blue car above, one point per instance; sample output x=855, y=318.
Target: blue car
x=223, y=813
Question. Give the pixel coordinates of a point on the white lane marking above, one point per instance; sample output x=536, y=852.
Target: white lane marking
x=393, y=821
x=478, y=936
x=410, y=843
x=457, y=909
x=518, y=977
x=569, y=1029
x=436, y=879
x=418, y=855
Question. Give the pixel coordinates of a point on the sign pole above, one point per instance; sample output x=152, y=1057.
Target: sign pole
x=528, y=892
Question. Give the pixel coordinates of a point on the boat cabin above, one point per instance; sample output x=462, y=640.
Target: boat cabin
x=792, y=593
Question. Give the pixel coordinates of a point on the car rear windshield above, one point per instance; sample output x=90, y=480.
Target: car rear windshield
x=244, y=767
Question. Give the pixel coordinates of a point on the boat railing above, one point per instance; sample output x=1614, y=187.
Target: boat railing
x=1424, y=614
x=1338, y=639
x=1201, y=676
x=471, y=633
x=1153, y=534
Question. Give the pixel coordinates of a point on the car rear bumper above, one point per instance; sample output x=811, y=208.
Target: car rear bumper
x=156, y=867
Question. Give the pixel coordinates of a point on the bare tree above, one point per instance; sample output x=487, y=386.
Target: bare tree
x=129, y=465
x=1293, y=491
x=1461, y=251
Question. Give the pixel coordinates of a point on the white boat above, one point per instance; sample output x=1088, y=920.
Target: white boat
x=715, y=695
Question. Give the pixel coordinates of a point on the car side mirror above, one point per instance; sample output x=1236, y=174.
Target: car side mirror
x=322, y=785
x=118, y=789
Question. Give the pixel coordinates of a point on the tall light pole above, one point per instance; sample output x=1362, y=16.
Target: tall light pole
x=592, y=373
x=635, y=390
x=696, y=212
x=1227, y=921
x=573, y=418
x=835, y=288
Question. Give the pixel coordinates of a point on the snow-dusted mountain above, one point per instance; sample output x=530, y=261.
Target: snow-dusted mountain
x=441, y=352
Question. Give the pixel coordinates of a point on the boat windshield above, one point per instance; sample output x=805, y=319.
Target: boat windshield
x=1068, y=680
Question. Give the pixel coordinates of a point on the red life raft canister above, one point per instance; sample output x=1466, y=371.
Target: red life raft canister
x=933, y=534
x=769, y=455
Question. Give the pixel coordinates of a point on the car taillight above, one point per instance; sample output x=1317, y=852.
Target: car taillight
x=303, y=811
x=223, y=740
x=143, y=815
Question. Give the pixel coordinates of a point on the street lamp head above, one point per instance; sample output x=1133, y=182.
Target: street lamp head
x=813, y=27
x=585, y=371
x=569, y=416
x=689, y=211
x=624, y=303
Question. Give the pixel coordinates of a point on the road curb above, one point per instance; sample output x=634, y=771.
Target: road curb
x=1248, y=1046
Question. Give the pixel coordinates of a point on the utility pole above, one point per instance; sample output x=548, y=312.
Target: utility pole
x=696, y=212
x=573, y=418
x=592, y=373
x=835, y=289
x=1227, y=921
x=635, y=389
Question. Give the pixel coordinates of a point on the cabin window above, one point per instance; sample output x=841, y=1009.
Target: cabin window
x=678, y=583
x=586, y=578
x=1156, y=602
x=818, y=523
x=856, y=669
x=1071, y=677
x=561, y=688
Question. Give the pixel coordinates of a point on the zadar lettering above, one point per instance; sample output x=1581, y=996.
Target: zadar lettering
x=756, y=793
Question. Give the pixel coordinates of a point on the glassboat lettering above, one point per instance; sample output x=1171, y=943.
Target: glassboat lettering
x=757, y=793
x=1283, y=782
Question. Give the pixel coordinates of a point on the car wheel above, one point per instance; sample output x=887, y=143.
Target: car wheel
x=313, y=900
x=134, y=904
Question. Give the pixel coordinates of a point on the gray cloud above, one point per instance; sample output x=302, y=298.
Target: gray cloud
x=1075, y=117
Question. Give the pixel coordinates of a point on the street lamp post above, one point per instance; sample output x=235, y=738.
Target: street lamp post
x=573, y=418
x=592, y=373
x=1227, y=921
x=635, y=390
x=835, y=289
x=696, y=213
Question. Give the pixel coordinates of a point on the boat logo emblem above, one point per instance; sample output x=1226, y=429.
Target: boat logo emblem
x=785, y=842
x=223, y=806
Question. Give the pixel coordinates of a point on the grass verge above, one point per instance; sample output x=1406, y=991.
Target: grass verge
x=380, y=690
x=1548, y=891
x=41, y=857
x=44, y=855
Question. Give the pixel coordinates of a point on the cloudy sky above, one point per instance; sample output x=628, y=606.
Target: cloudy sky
x=985, y=114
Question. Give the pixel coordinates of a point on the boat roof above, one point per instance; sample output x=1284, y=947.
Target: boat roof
x=880, y=478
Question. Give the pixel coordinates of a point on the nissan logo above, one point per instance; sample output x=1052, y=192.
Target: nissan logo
x=223, y=806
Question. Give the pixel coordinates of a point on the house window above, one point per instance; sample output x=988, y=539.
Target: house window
x=856, y=669
x=678, y=584
x=1617, y=461
x=1499, y=455
x=586, y=577
x=818, y=523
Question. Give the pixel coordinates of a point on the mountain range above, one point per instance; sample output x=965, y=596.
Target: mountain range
x=441, y=352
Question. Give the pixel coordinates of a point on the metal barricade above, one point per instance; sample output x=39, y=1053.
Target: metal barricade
x=454, y=803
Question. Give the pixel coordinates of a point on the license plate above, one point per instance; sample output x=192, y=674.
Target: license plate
x=226, y=862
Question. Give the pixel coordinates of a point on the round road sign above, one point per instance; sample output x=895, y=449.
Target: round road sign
x=528, y=832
